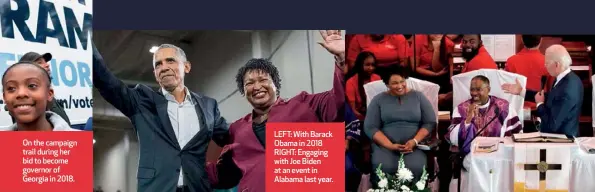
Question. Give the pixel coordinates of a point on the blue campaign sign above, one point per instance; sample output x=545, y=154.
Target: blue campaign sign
x=47, y=10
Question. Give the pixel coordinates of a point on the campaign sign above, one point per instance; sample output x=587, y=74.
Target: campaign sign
x=62, y=28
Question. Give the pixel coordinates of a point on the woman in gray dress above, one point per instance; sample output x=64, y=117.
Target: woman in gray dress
x=397, y=120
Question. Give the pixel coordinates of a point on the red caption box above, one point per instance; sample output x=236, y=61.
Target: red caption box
x=305, y=157
x=46, y=161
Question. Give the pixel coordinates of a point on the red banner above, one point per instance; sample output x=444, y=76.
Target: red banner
x=46, y=161
x=305, y=157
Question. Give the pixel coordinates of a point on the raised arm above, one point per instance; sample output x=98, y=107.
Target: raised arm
x=328, y=104
x=111, y=88
x=517, y=89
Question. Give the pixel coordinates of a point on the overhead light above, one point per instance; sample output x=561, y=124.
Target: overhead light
x=589, y=48
x=93, y=141
x=153, y=49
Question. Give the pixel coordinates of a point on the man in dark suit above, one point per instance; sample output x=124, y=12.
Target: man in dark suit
x=560, y=108
x=173, y=124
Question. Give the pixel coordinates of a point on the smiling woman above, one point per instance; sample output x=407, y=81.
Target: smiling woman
x=260, y=83
x=396, y=121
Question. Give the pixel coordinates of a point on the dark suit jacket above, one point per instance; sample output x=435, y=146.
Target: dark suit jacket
x=160, y=154
x=561, y=110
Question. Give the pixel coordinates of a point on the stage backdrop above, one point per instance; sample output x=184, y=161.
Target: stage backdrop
x=62, y=28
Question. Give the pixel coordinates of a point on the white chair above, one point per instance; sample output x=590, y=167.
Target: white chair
x=374, y=88
x=428, y=89
x=461, y=93
x=461, y=83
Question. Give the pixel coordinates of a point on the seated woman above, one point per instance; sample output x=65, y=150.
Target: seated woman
x=354, y=88
x=397, y=120
x=389, y=50
x=26, y=90
x=433, y=62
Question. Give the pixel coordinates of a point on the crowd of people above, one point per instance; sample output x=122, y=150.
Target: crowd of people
x=397, y=121
x=379, y=129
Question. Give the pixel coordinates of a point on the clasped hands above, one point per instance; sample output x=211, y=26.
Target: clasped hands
x=472, y=111
x=406, y=148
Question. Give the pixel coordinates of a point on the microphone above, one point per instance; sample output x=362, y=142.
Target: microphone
x=497, y=111
x=460, y=154
x=543, y=82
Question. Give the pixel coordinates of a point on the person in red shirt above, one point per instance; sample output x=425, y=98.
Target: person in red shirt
x=432, y=55
x=529, y=62
x=365, y=64
x=389, y=49
x=475, y=55
x=433, y=62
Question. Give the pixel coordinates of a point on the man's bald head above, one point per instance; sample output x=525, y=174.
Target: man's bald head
x=557, y=59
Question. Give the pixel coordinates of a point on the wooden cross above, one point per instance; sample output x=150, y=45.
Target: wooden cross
x=542, y=167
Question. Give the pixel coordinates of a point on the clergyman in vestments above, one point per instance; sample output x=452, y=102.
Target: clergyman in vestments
x=482, y=110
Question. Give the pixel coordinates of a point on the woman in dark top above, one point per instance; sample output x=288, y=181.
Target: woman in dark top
x=396, y=121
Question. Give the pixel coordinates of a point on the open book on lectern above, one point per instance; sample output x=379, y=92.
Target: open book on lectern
x=539, y=137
